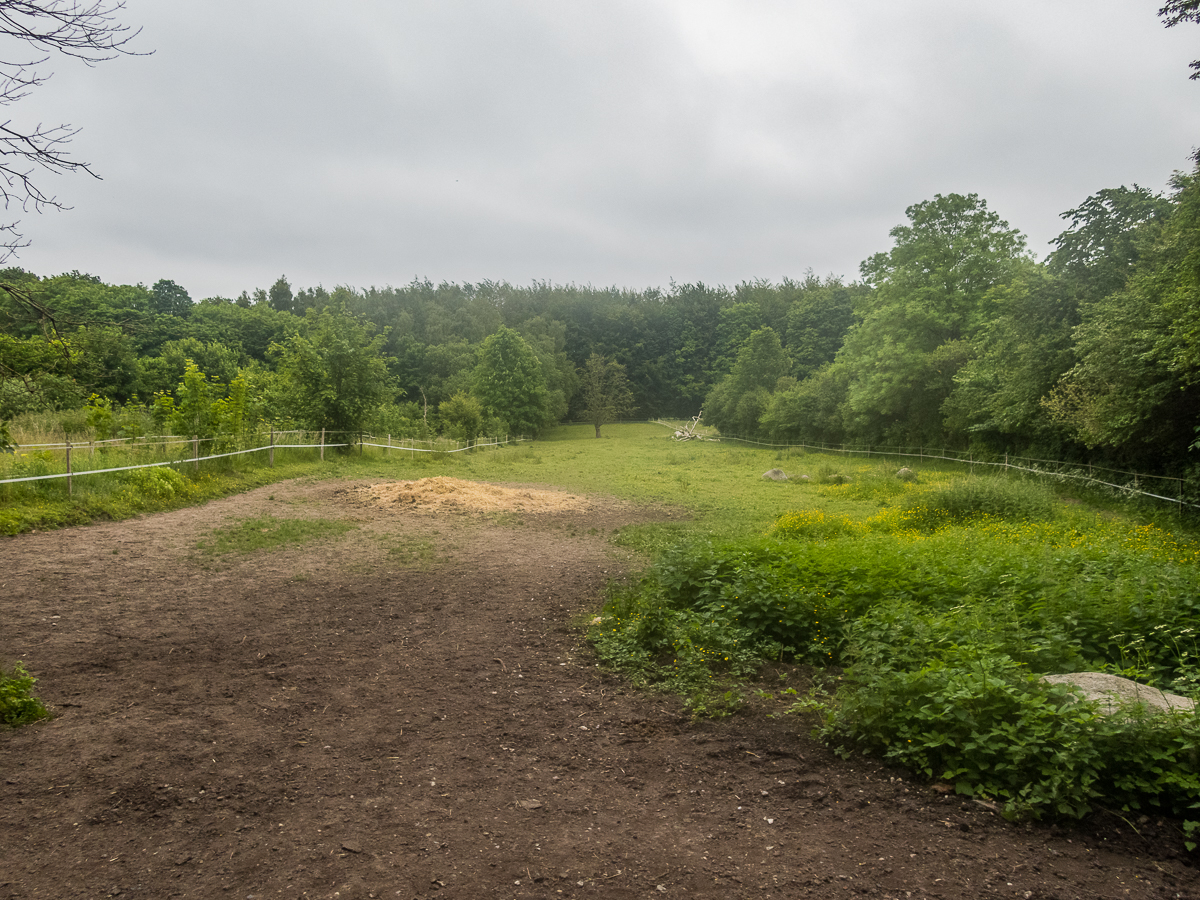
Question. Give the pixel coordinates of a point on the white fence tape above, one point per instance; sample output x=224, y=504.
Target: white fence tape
x=197, y=459
x=412, y=449
x=170, y=462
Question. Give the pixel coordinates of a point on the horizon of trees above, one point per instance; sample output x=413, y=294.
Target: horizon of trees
x=956, y=336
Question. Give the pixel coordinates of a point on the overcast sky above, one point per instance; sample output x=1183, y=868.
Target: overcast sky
x=626, y=142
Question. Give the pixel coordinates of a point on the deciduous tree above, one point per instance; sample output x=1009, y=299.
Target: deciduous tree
x=739, y=400
x=930, y=298
x=333, y=372
x=510, y=383
x=604, y=391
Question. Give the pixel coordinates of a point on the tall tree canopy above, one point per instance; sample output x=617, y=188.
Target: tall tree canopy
x=510, y=383
x=1108, y=234
x=930, y=297
x=333, y=371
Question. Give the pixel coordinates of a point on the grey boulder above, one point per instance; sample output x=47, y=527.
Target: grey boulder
x=1112, y=692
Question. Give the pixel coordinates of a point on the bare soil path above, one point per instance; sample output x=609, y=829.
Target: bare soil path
x=406, y=711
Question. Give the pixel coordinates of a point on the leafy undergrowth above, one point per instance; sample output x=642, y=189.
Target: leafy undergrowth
x=18, y=706
x=940, y=613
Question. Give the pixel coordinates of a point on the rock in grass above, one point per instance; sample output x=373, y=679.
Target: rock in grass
x=775, y=475
x=838, y=479
x=906, y=474
x=1113, y=692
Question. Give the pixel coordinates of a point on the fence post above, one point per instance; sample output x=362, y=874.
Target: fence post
x=196, y=452
x=271, y=449
x=91, y=448
x=322, y=445
x=389, y=449
x=70, y=487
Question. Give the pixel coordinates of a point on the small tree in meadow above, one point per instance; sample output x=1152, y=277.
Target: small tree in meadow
x=604, y=391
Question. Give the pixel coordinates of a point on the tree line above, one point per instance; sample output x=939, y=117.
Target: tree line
x=957, y=336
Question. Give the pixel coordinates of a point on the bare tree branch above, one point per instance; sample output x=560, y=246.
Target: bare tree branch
x=1176, y=12
x=87, y=31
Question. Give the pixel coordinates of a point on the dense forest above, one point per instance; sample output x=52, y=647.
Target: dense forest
x=957, y=336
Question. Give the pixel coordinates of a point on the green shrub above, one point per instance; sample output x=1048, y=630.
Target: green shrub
x=17, y=705
x=946, y=635
x=152, y=487
x=983, y=722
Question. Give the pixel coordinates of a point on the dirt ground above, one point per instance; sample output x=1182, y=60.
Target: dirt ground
x=407, y=710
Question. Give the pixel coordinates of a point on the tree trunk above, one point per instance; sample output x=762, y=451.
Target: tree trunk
x=597, y=429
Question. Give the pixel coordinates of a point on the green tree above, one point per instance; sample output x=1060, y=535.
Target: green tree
x=510, y=383
x=192, y=414
x=332, y=371
x=930, y=298
x=280, y=295
x=230, y=414
x=817, y=321
x=604, y=391
x=738, y=401
x=169, y=299
x=1016, y=360
x=811, y=410
x=163, y=372
x=1135, y=389
x=1109, y=232
x=463, y=415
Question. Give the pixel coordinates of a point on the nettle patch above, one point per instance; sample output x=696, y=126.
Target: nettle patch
x=935, y=634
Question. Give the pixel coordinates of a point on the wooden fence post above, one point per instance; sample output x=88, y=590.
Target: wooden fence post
x=271, y=449
x=70, y=487
x=196, y=452
x=322, y=445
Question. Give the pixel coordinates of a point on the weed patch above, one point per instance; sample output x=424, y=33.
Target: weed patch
x=18, y=706
x=943, y=635
x=269, y=533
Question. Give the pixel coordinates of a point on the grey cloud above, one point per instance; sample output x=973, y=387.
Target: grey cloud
x=603, y=142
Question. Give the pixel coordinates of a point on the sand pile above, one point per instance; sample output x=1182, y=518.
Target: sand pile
x=454, y=493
